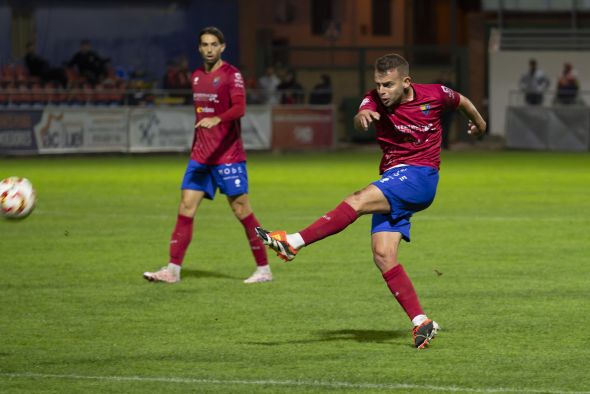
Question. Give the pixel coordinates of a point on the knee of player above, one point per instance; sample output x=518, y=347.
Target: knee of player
x=384, y=256
x=187, y=208
x=241, y=210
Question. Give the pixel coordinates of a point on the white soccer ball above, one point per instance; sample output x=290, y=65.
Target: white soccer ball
x=17, y=197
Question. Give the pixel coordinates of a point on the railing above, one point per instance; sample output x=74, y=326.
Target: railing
x=541, y=39
x=36, y=98
x=550, y=98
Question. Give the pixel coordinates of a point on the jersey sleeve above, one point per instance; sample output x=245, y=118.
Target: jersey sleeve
x=368, y=103
x=237, y=95
x=449, y=97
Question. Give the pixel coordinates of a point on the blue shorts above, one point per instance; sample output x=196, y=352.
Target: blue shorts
x=408, y=189
x=231, y=179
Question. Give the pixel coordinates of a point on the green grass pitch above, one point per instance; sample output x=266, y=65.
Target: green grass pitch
x=509, y=231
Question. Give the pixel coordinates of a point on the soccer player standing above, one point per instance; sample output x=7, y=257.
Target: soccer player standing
x=217, y=160
x=407, y=118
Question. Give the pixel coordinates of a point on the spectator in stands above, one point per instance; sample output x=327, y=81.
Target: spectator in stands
x=89, y=64
x=253, y=95
x=446, y=118
x=268, y=85
x=171, y=81
x=178, y=77
x=567, y=85
x=322, y=92
x=184, y=74
x=534, y=83
x=185, y=79
x=291, y=91
x=40, y=68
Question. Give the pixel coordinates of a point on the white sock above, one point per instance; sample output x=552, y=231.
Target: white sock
x=174, y=268
x=419, y=320
x=295, y=240
x=263, y=269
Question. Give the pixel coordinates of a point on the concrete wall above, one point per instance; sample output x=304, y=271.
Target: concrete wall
x=506, y=68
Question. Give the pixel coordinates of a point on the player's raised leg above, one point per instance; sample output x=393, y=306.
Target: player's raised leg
x=180, y=239
x=241, y=208
x=385, y=246
x=368, y=200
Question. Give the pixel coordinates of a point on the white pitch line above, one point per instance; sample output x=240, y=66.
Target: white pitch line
x=299, y=383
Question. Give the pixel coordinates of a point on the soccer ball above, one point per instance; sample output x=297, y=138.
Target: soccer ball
x=17, y=198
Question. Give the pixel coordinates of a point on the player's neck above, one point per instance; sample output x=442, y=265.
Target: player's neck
x=408, y=95
x=212, y=67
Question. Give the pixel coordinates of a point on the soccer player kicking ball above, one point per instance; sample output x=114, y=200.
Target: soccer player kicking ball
x=217, y=160
x=407, y=118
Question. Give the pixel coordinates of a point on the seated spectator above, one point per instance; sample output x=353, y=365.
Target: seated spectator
x=184, y=74
x=185, y=80
x=89, y=64
x=139, y=90
x=40, y=68
x=567, y=85
x=322, y=92
x=171, y=81
x=291, y=91
x=179, y=78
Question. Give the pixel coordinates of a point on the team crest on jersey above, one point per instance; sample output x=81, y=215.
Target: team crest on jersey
x=216, y=81
x=425, y=108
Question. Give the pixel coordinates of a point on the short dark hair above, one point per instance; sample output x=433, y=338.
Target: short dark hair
x=213, y=31
x=390, y=62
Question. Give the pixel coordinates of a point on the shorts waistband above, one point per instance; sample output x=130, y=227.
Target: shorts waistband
x=396, y=166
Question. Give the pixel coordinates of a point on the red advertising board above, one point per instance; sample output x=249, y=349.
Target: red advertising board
x=298, y=127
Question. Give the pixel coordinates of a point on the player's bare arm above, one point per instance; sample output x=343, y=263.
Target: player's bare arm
x=364, y=118
x=207, y=123
x=477, y=125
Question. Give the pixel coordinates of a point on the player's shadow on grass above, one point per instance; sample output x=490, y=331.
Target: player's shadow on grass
x=199, y=274
x=361, y=336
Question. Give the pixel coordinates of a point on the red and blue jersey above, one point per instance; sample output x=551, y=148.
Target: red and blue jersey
x=410, y=133
x=219, y=93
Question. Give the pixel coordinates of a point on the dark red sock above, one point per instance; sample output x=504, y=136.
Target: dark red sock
x=181, y=238
x=258, y=250
x=331, y=223
x=402, y=289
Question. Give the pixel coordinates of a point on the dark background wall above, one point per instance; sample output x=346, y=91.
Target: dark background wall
x=134, y=34
x=4, y=32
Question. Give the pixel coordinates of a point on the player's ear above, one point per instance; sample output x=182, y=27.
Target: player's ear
x=222, y=48
x=407, y=81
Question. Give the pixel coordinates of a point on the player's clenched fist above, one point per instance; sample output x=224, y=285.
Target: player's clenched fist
x=364, y=118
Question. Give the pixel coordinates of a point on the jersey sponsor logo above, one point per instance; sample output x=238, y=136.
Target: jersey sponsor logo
x=425, y=108
x=210, y=97
x=408, y=128
x=230, y=170
x=206, y=110
x=238, y=80
x=416, y=134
